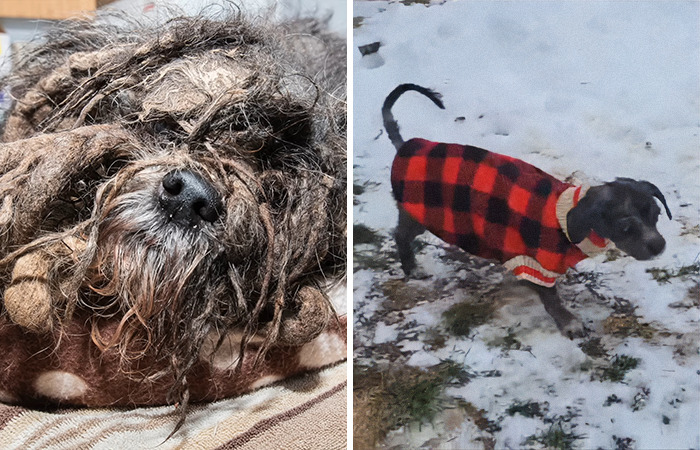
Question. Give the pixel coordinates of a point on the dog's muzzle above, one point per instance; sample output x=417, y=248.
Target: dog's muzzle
x=655, y=245
x=188, y=199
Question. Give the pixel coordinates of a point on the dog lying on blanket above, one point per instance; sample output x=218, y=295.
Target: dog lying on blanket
x=172, y=210
x=502, y=208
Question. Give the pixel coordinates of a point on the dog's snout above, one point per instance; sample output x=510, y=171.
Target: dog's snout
x=656, y=246
x=187, y=198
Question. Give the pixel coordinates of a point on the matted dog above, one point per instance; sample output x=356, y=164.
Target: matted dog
x=172, y=208
x=504, y=209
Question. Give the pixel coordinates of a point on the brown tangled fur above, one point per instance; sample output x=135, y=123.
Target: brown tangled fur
x=102, y=112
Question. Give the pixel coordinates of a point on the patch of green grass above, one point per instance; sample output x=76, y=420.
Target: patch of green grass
x=462, y=317
x=417, y=395
x=526, y=409
x=664, y=275
x=404, y=396
x=420, y=398
x=362, y=234
x=619, y=367
x=556, y=437
x=357, y=21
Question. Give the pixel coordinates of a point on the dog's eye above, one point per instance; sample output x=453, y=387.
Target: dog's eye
x=627, y=226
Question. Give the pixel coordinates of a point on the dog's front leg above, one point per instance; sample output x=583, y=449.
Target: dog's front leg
x=570, y=325
x=406, y=231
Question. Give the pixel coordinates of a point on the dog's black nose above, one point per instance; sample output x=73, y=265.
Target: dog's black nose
x=656, y=246
x=187, y=198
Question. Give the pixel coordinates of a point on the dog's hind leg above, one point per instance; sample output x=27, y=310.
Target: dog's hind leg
x=406, y=231
x=570, y=325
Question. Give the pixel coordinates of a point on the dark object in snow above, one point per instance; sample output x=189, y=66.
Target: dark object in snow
x=369, y=48
x=612, y=399
x=640, y=399
x=593, y=347
x=501, y=208
x=527, y=409
x=623, y=443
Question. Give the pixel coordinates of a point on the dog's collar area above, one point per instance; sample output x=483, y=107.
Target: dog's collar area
x=594, y=243
x=528, y=268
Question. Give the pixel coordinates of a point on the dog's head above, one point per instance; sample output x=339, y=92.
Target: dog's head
x=202, y=163
x=624, y=211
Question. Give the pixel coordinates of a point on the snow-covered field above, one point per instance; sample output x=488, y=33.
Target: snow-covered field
x=593, y=90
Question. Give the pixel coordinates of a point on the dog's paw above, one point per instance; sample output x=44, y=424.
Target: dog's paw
x=574, y=329
x=417, y=274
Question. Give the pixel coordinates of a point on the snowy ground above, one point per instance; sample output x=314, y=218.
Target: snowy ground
x=593, y=90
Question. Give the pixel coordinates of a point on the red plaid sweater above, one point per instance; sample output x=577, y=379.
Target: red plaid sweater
x=492, y=206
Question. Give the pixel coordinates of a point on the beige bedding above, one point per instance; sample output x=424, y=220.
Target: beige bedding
x=304, y=412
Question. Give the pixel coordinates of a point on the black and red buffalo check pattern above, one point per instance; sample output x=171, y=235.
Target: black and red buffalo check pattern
x=490, y=205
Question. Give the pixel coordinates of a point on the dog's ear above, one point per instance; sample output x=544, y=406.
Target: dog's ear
x=653, y=190
x=585, y=216
x=647, y=188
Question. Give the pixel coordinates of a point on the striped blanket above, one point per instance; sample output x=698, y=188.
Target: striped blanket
x=304, y=412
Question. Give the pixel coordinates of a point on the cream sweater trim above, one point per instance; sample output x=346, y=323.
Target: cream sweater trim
x=565, y=203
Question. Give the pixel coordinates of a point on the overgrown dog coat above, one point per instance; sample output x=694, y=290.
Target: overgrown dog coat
x=492, y=206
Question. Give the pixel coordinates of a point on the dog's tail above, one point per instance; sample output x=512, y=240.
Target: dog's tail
x=392, y=128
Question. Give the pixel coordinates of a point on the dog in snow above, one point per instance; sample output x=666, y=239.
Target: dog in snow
x=501, y=208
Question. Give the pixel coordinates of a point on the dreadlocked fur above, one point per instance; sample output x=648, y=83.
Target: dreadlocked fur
x=103, y=112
